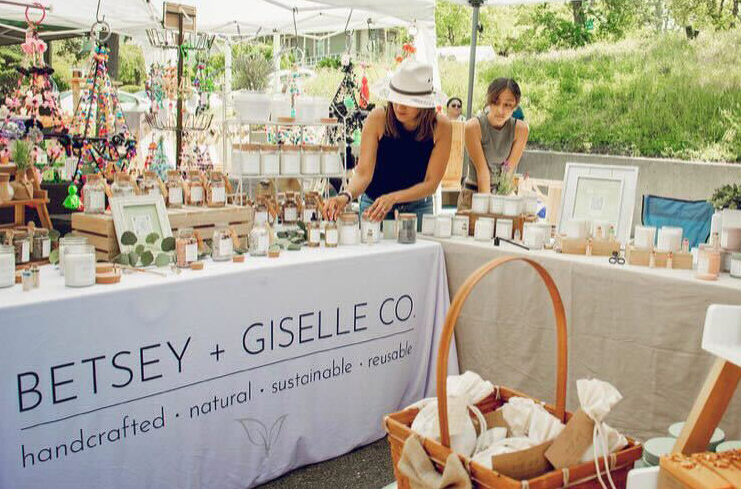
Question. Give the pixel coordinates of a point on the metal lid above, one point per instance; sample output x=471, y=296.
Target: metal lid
x=655, y=448
x=718, y=434
x=407, y=215
x=728, y=445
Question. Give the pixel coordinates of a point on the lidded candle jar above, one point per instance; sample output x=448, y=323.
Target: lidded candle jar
x=41, y=248
x=534, y=235
x=512, y=205
x=122, y=185
x=289, y=211
x=331, y=160
x=22, y=245
x=670, y=239
x=480, y=203
x=443, y=227
x=708, y=262
x=269, y=159
x=428, y=224
x=217, y=190
x=186, y=248
x=93, y=195
x=504, y=228
x=460, y=226
x=261, y=212
x=290, y=160
x=370, y=231
x=310, y=211
x=175, y=184
x=730, y=238
x=259, y=240
x=315, y=234
x=222, y=246
x=79, y=266
x=311, y=160
x=349, y=228
x=496, y=204
x=735, y=265
x=66, y=242
x=483, y=230
x=407, y=228
x=197, y=189
x=151, y=184
x=644, y=237
x=7, y=266
x=249, y=159
x=530, y=204
x=331, y=234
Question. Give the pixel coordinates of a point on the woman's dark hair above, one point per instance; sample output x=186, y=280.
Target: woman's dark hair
x=498, y=86
x=453, y=99
x=425, y=129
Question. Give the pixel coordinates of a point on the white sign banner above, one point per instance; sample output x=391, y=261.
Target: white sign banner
x=224, y=378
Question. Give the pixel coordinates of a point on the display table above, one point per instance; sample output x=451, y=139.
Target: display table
x=635, y=327
x=220, y=378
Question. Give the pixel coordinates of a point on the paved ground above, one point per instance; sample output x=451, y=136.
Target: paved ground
x=368, y=467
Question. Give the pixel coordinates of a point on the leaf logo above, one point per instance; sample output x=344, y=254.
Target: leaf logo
x=258, y=433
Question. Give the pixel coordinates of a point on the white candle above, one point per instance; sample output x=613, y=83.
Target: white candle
x=460, y=226
x=670, y=239
x=530, y=204
x=389, y=229
x=480, y=203
x=290, y=163
x=428, y=224
x=504, y=228
x=512, y=206
x=443, y=226
x=270, y=163
x=196, y=194
x=644, y=237
x=576, y=228
x=496, y=204
x=7, y=266
x=218, y=195
x=311, y=163
x=331, y=237
x=483, y=229
x=348, y=235
x=533, y=236
x=175, y=195
x=331, y=163
x=730, y=239
x=79, y=268
x=370, y=231
x=251, y=162
x=261, y=217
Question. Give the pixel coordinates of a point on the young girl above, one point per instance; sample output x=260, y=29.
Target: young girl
x=403, y=151
x=494, y=141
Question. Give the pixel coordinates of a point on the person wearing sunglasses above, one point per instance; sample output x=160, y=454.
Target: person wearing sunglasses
x=455, y=109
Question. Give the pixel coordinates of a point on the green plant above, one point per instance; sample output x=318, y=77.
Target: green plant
x=251, y=71
x=20, y=153
x=331, y=62
x=505, y=182
x=727, y=197
x=144, y=253
x=292, y=240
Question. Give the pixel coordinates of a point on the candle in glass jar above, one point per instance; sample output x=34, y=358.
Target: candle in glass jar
x=730, y=238
x=186, y=248
x=331, y=235
x=512, y=205
x=79, y=266
x=407, y=228
x=504, y=228
x=483, y=230
x=460, y=225
x=348, y=234
x=644, y=237
x=7, y=266
x=479, y=203
x=496, y=206
x=428, y=224
x=708, y=262
x=66, y=242
x=670, y=239
x=370, y=231
x=389, y=229
x=443, y=227
x=315, y=234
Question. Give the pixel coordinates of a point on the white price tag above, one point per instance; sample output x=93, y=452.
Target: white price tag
x=315, y=236
x=25, y=252
x=290, y=215
x=226, y=247
x=332, y=236
x=175, y=195
x=308, y=215
x=191, y=253
x=45, y=248
x=261, y=217
x=196, y=194
x=218, y=195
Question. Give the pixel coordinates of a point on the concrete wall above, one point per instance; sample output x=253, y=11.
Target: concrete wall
x=664, y=177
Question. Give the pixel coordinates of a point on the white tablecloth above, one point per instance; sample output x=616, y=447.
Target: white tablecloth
x=221, y=378
x=636, y=327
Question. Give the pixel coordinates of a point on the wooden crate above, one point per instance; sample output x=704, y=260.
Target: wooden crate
x=636, y=256
x=517, y=222
x=101, y=233
x=576, y=246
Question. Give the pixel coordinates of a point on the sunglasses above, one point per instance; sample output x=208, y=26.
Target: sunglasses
x=456, y=106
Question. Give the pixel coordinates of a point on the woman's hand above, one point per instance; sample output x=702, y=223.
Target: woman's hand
x=381, y=206
x=335, y=206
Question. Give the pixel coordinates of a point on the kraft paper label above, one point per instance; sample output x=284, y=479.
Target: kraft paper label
x=525, y=464
x=569, y=447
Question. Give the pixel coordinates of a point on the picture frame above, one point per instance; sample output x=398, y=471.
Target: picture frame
x=600, y=192
x=140, y=214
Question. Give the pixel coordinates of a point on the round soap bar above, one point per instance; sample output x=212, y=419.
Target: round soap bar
x=728, y=445
x=717, y=438
x=655, y=448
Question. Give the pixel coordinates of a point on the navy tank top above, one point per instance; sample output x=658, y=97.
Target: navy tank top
x=400, y=163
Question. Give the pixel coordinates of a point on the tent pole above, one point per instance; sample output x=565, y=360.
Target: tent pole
x=476, y=4
x=179, y=128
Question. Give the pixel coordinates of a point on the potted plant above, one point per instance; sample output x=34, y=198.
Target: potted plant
x=20, y=153
x=727, y=197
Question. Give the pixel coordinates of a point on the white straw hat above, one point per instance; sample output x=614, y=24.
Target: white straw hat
x=411, y=85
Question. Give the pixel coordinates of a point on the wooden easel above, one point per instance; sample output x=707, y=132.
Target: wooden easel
x=39, y=201
x=720, y=384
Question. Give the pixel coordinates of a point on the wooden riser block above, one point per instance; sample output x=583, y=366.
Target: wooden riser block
x=680, y=261
x=600, y=247
x=517, y=222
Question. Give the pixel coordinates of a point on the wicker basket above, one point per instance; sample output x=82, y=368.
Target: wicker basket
x=398, y=425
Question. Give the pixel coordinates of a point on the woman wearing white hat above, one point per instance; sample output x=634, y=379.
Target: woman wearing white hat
x=403, y=152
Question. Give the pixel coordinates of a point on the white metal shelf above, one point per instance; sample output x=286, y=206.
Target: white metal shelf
x=247, y=122
x=305, y=176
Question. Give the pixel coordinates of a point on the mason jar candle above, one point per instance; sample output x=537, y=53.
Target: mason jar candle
x=7, y=266
x=479, y=203
x=250, y=159
x=79, y=266
x=407, y=228
x=261, y=212
x=730, y=238
x=483, y=229
x=269, y=160
x=93, y=195
x=175, y=185
x=370, y=231
x=64, y=243
x=289, y=212
x=504, y=228
x=290, y=160
x=460, y=226
x=331, y=235
x=512, y=205
x=496, y=205
x=122, y=185
x=644, y=237
x=151, y=184
x=259, y=240
x=670, y=239
x=217, y=190
x=428, y=224
x=389, y=229
x=222, y=246
x=708, y=262
x=186, y=248
x=533, y=236
x=736, y=265
x=331, y=160
x=311, y=160
x=348, y=229
x=197, y=190
x=443, y=227
x=315, y=234
x=41, y=248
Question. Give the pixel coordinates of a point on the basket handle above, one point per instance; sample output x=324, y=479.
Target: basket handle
x=452, y=319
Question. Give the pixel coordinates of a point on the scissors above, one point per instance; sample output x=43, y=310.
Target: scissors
x=616, y=259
